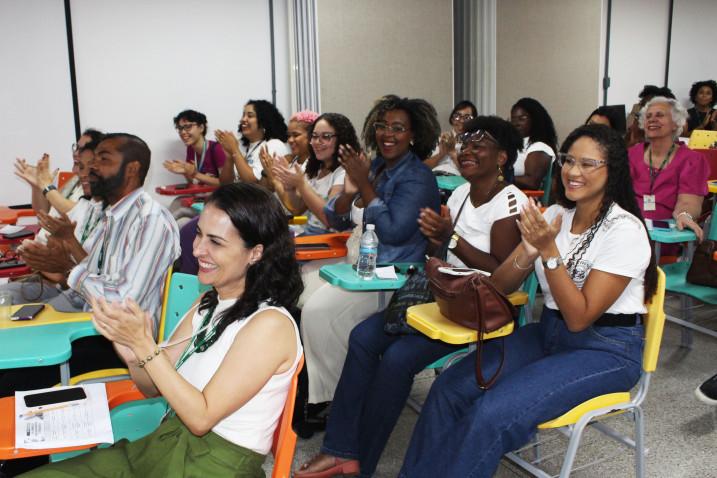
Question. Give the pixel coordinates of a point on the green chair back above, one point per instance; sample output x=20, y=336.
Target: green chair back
x=183, y=291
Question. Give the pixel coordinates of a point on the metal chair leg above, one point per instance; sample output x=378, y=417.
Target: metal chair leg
x=639, y=442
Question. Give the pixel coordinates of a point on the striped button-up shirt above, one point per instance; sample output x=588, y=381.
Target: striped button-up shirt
x=129, y=253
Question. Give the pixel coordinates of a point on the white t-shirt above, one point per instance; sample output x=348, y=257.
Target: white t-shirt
x=322, y=186
x=519, y=166
x=475, y=223
x=251, y=153
x=446, y=163
x=253, y=425
x=84, y=211
x=620, y=246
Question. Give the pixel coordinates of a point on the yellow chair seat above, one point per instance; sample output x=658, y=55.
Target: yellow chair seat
x=572, y=416
x=427, y=319
x=298, y=220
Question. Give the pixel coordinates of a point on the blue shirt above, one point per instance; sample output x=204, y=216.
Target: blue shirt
x=401, y=192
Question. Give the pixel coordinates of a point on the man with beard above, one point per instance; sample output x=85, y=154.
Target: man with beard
x=127, y=255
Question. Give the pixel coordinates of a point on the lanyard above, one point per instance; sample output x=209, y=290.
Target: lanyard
x=202, y=341
x=250, y=151
x=201, y=161
x=103, y=248
x=653, y=173
x=89, y=226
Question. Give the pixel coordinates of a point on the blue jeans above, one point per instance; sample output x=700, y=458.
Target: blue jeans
x=464, y=431
x=373, y=388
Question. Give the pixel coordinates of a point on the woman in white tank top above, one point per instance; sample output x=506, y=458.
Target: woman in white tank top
x=226, y=370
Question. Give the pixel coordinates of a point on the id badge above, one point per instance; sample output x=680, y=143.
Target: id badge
x=648, y=202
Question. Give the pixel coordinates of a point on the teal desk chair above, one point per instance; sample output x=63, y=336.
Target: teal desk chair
x=450, y=183
x=676, y=283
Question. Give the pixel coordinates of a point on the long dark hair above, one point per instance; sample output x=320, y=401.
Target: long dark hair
x=269, y=119
x=345, y=134
x=258, y=217
x=618, y=190
x=542, y=129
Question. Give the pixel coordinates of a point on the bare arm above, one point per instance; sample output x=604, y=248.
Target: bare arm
x=687, y=208
x=536, y=167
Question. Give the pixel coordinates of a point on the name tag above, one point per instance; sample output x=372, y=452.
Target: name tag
x=648, y=202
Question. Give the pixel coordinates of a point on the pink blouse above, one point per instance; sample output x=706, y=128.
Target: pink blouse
x=687, y=173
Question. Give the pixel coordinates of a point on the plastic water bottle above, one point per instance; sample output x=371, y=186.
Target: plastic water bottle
x=368, y=250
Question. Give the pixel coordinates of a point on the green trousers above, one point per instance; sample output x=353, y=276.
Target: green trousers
x=170, y=451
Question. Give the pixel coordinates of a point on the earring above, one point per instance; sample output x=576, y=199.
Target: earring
x=501, y=178
x=411, y=142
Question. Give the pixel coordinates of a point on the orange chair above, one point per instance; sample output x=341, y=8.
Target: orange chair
x=284, y=437
x=63, y=177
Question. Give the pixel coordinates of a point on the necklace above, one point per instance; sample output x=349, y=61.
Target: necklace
x=487, y=197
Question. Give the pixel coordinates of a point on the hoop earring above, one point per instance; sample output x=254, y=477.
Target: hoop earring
x=501, y=178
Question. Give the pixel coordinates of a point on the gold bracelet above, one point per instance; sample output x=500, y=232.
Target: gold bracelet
x=149, y=358
x=518, y=266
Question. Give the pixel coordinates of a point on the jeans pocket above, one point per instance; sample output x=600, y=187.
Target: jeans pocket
x=622, y=337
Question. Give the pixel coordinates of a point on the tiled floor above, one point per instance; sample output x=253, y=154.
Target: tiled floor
x=681, y=432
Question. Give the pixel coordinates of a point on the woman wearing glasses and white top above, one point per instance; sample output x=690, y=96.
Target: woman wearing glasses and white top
x=445, y=156
x=593, y=259
x=388, y=192
x=323, y=177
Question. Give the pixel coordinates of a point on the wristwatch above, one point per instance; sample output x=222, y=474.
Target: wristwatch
x=48, y=188
x=454, y=241
x=553, y=263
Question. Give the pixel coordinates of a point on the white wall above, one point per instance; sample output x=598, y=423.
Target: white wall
x=370, y=48
x=140, y=63
x=34, y=90
x=692, y=56
x=638, y=46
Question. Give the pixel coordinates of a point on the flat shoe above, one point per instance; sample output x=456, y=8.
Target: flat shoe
x=341, y=467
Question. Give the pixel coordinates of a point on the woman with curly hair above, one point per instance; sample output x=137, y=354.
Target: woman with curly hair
x=703, y=96
x=669, y=179
x=379, y=368
x=592, y=255
x=323, y=177
x=540, y=140
x=388, y=192
x=261, y=125
x=246, y=254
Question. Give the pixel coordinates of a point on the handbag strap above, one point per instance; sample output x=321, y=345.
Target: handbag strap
x=482, y=382
x=442, y=251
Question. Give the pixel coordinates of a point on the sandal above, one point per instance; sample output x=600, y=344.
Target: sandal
x=339, y=466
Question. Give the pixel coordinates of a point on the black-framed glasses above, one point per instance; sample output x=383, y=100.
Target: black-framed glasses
x=461, y=118
x=322, y=137
x=184, y=127
x=585, y=165
x=380, y=126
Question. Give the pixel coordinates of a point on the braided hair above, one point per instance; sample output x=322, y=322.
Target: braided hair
x=275, y=279
x=618, y=190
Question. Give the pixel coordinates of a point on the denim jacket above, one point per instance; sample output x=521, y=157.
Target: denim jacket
x=401, y=192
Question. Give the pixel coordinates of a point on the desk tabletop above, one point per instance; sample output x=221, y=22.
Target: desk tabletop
x=712, y=186
x=335, y=246
x=450, y=183
x=671, y=236
x=345, y=276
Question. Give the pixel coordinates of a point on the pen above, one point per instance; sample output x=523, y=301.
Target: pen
x=34, y=413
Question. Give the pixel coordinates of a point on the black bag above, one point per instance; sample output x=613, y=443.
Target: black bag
x=414, y=291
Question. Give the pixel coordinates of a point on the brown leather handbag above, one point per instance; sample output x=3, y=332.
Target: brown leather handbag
x=703, y=270
x=471, y=300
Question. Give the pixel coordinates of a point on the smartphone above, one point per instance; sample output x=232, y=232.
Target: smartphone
x=27, y=312
x=314, y=246
x=24, y=232
x=181, y=186
x=55, y=396
x=660, y=224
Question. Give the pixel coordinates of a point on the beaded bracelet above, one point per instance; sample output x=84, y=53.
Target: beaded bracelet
x=149, y=358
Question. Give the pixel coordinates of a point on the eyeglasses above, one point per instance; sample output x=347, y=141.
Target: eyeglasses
x=393, y=128
x=322, y=137
x=585, y=165
x=184, y=127
x=461, y=118
x=475, y=141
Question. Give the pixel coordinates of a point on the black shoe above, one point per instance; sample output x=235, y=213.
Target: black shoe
x=707, y=392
